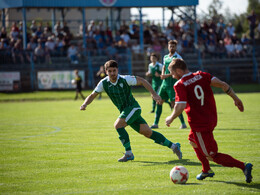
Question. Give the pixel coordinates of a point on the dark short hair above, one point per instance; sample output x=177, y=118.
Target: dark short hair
x=155, y=55
x=111, y=63
x=177, y=63
x=172, y=42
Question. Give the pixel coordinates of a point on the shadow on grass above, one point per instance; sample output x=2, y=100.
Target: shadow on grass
x=245, y=185
x=179, y=162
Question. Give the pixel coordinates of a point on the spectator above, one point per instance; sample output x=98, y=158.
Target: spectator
x=57, y=28
x=14, y=33
x=33, y=27
x=147, y=35
x=239, y=52
x=202, y=48
x=38, y=32
x=30, y=48
x=72, y=54
x=230, y=29
x=212, y=49
x=221, y=49
x=3, y=33
x=91, y=28
x=39, y=53
x=111, y=51
x=230, y=50
x=252, y=23
x=65, y=28
x=125, y=37
x=17, y=52
x=157, y=46
x=50, y=46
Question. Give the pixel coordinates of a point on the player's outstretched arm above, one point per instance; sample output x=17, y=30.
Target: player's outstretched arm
x=215, y=82
x=88, y=100
x=177, y=110
x=141, y=81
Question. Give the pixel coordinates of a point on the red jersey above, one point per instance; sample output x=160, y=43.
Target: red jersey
x=195, y=90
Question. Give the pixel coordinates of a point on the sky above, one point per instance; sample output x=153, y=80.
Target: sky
x=235, y=7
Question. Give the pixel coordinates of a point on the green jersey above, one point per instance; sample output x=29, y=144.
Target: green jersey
x=167, y=59
x=119, y=92
x=152, y=69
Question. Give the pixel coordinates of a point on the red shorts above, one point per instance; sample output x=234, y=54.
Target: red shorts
x=205, y=142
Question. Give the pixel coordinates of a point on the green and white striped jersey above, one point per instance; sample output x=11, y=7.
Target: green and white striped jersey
x=119, y=92
x=166, y=62
x=152, y=69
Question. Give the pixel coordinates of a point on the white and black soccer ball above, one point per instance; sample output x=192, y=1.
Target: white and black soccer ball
x=73, y=81
x=179, y=175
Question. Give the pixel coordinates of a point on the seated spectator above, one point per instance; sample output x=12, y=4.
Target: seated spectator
x=212, y=49
x=234, y=38
x=221, y=49
x=101, y=46
x=38, y=32
x=147, y=35
x=239, y=51
x=33, y=27
x=91, y=46
x=3, y=33
x=246, y=44
x=17, y=52
x=230, y=50
x=50, y=46
x=230, y=29
x=202, y=48
x=125, y=37
x=59, y=46
x=39, y=53
x=72, y=54
x=14, y=33
x=30, y=48
x=111, y=51
x=136, y=48
x=156, y=46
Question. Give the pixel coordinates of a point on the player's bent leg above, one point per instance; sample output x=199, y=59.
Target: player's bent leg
x=194, y=145
x=145, y=130
x=120, y=125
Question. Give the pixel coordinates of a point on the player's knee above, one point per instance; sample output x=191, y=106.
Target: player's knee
x=210, y=158
x=193, y=144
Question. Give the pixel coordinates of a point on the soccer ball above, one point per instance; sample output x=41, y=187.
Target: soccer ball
x=179, y=175
x=73, y=81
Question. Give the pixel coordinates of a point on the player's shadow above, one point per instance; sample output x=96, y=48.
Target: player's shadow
x=244, y=185
x=179, y=162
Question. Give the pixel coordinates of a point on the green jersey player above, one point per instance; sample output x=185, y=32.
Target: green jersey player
x=118, y=89
x=166, y=91
x=155, y=70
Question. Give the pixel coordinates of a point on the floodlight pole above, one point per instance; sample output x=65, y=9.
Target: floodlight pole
x=24, y=29
x=3, y=17
x=53, y=18
x=84, y=32
x=141, y=33
x=163, y=19
x=196, y=38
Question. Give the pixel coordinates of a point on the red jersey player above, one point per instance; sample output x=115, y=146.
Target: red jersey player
x=195, y=96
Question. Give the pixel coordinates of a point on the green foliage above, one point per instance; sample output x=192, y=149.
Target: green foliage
x=50, y=147
x=254, y=5
x=214, y=9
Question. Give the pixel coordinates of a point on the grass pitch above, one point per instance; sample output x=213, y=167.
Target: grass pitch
x=51, y=147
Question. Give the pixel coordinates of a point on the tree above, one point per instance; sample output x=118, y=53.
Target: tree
x=214, y=9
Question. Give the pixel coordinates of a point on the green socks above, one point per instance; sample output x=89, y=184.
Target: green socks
x=160, y=139
x=124, y=138
x=181, y=119
x=158, y=114
x=154, y=104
